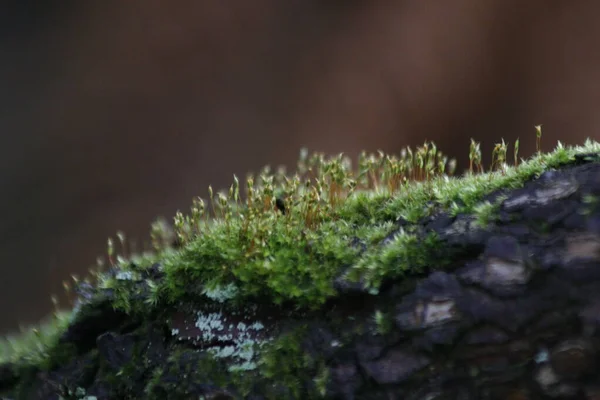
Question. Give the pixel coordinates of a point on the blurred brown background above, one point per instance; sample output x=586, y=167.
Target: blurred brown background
x=114, y=112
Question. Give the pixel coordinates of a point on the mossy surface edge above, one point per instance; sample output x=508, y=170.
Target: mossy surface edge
x=278, y=263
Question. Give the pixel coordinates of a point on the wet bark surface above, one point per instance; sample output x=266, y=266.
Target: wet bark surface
x=516, y=316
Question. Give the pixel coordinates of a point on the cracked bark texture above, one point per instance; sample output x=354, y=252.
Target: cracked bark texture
x=515, y=316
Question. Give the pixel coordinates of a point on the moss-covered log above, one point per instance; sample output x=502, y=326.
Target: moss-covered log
x=492, y=295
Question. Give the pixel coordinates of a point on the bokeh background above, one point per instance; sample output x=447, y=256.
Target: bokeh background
x=115, y=112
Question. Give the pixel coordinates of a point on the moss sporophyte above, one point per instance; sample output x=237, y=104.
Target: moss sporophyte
x=220, y=275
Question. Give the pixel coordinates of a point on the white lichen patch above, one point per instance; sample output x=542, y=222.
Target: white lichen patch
x=542, y=356
x=244, y=348
x=221, y=293
x=126, y=276
x=234, y=341
x=209, y=324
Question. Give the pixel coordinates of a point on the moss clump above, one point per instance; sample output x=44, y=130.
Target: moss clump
x=284, y=240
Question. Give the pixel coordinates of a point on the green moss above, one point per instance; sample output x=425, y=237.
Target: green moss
x=33, y=345
x=591, y=202
x=383, y=322
x=486, y=212
x=190, y=368
x=283, y=239
x=284, y=363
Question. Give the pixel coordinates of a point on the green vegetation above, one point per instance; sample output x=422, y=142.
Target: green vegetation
x=281, y=239
x=31, y=346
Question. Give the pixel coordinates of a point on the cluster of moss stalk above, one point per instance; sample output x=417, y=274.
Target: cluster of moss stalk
x=285, y=237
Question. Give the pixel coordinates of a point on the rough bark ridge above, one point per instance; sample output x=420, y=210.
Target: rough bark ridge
x=515, y=317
